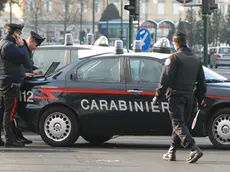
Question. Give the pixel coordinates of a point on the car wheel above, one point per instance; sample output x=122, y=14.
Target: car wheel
x=219, y=128
x=216, y=66
x=211, y=66
x=59, y=127
x=97, y=140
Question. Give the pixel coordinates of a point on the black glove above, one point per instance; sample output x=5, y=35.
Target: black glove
x=156, y=100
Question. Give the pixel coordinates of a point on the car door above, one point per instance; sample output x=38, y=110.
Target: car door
x=98, y=85
x=143, y=78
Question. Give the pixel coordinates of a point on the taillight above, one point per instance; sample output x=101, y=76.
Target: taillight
x=209, y=53
x=217, y=56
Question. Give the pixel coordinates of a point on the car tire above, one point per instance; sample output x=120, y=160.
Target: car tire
x=59, y=127
x=211, y=66
x=216, y=66
x=219, y=128
x=96, y=140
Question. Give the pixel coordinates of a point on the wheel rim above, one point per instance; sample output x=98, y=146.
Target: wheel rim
x=221, y=129
x=57, y=126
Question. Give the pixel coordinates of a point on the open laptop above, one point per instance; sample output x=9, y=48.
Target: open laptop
x=50, y=70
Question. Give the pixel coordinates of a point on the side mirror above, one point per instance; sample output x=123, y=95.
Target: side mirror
x=73, y=76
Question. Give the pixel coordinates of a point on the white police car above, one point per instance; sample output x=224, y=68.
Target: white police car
x=67, y=53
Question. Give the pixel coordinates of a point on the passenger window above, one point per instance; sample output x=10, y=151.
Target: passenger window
x=100, y=70
x=145, y=70
x=43, y=58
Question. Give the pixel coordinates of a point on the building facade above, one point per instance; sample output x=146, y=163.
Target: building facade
x=52, y=18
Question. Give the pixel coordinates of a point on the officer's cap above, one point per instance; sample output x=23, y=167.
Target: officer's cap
x=180, y=34
x=37, y=38
x=13, y=27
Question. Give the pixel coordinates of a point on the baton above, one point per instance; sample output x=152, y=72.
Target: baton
x=195, y=119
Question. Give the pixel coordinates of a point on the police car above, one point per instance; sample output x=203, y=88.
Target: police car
x=105, y=95
x=69, y=52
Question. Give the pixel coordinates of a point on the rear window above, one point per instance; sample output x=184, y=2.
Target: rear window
x=212, y=50
x=224, y=50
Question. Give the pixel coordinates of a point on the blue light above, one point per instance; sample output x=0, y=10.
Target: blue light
x=137, y=47
x=90, y=38
x=119, y=47
x=68, y=39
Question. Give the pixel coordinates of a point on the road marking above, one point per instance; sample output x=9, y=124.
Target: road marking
x=105, y=160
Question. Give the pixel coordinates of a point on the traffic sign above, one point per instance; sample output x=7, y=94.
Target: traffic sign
x=145, y=37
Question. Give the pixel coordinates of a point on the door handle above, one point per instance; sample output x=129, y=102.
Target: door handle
x=135, y=91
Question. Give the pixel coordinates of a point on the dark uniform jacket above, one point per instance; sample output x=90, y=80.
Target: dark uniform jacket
x=29, y=58
x=182, y=73
x=11, y=60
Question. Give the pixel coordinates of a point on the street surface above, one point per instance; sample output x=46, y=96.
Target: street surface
x=222, y=70
x=122, y=154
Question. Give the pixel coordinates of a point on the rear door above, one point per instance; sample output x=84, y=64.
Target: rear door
x=143, y=78
x=95, y=88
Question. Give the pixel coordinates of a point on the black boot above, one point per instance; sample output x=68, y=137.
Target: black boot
x=195, y=154
x=1, y=142
x=20, y=137
x=170, y=155
x=11, y=140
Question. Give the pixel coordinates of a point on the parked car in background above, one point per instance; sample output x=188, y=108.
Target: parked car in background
x=221, y=57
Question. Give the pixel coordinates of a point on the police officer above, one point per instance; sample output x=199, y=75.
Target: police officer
x=181, y=72
x=30, y=44
x=10, y=77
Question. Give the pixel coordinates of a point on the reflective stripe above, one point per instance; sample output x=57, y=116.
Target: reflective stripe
x=14, y=108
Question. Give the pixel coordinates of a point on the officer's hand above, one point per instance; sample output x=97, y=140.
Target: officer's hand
x=28, y=75
x=201, y=103
x=156, y=101
x=19, y=41
x=37, y=72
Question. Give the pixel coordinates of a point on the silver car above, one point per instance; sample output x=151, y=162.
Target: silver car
x=221, y=57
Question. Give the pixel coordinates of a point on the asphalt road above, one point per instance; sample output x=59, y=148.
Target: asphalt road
x=122, y=154
x=222, y=70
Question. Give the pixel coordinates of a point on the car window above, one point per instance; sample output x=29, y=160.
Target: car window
x=145, y=70
x=43, y=58
x=224, y=50
x=100, y=70
x=212, y=50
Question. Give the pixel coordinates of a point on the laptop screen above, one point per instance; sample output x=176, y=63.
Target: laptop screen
x=52, y=68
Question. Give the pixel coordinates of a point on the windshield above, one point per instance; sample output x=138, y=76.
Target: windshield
x=211, y=75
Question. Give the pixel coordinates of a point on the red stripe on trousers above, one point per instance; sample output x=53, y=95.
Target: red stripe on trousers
x=14, y=108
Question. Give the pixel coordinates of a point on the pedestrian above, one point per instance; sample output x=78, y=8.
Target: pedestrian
x=182, y=73
x=30, y=44
x=10, y=78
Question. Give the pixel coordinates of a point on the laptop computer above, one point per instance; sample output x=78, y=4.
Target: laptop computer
x=50, y=70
